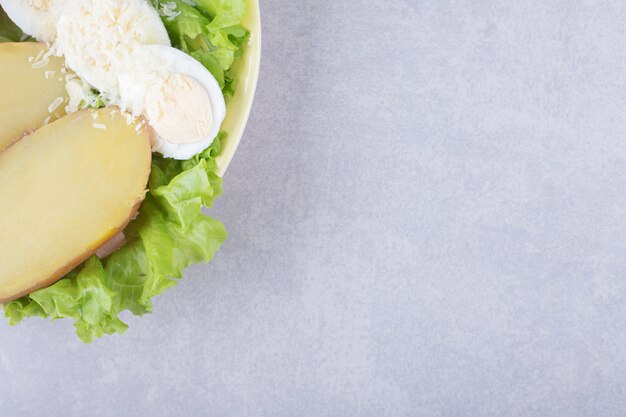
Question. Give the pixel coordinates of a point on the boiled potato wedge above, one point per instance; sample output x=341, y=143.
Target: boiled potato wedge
x=65, y=190
x=32, y=89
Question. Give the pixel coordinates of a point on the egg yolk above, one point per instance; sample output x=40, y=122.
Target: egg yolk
x=179, y=109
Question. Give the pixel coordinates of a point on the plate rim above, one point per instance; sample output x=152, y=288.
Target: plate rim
x=235, y=124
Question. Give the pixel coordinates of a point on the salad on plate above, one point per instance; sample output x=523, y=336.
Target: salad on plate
x=110, y=134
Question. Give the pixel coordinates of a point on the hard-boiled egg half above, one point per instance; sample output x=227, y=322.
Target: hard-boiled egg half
x=96, y=36
x=179, y=97
x=121, y=48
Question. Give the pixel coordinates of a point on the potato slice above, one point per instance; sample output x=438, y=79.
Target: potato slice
x=65, y=190
x=32, y=89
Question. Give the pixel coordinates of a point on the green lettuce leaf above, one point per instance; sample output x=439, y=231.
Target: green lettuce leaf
x=9, y=32
x=225, y=13
x=210, y=31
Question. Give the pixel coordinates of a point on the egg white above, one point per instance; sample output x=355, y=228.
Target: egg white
x=143, y=67
x=37, y=18
x=96, y=36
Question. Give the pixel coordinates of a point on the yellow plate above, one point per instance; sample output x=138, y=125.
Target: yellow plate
x=246, y=72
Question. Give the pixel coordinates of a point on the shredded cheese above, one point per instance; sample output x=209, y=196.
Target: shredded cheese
x=55, y=104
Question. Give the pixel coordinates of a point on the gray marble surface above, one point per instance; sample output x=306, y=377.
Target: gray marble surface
x=426, y=216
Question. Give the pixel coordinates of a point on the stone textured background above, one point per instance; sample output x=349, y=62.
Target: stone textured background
x=426, y=216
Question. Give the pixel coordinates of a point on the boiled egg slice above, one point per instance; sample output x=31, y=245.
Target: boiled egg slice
x=179, y=97
x=96, y=36
x=37, y=18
